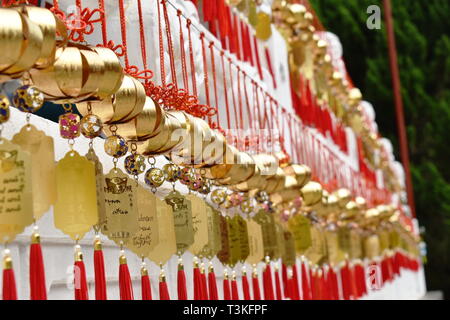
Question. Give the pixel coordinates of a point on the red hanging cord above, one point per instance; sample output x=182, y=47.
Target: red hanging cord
x=258, y=60
x=212, y=284
x=123, y=31
x=183, y=54
x=99, y=271
x=81, y=289
x=213, y=69
x=241, y=118
x=125, y=285
x=236, y=123
x=181, y=282
x=191, y=58
x=101, y=6
x=163, y=290
x=269, y=65
x=38, y=289
x=170, y=44
x=205, y=72
x=146, y=289
x=225, y=90
x=161, y=48
x=9, y=291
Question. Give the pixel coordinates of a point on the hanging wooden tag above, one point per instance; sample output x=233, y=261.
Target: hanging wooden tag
x=199, y=223
x=243, y=237
x=234, y=240
x=167, y=244
x=43, y=181
x=101, y=185
x=344, y=239
x=317, y=250
x=280, y=241
x=300, y=226
x=75, y=210
x=371, y=246
x=120, y=205
x=289, y=248
x=16, y=211
x=355, y=245
x=214, y=244
x=267, y=224
x=224, y=254
x=383, y=235
x=332, y=243
x=182, y=216
x=143, y=241
x=255, y=241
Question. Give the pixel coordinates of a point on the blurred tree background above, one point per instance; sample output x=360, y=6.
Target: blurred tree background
x=423, y=46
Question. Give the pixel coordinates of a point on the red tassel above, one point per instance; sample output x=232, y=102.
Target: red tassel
x=245, y=285
x=278, y=294
x=313, y=281
x=181, y=282
x=38, y=290
x=286, y=283
x=360, y=279
x=323, y=292
x=99, y=270
x=294, y=289
x=267, y=282
x=9, y=282
x=125, y=285
x=197, y=282
x=334, y=284
x=346, y=285
x=81, y=289
x=212, y=284
x=306, y=287
x=255, y=285
x=226, y=287
x=163, y=290
x=146, y=288
x=234, y=288
x=204, y=284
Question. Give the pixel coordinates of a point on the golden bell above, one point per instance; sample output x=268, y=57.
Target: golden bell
x=301, y=172
x=21, y=41
x=54, y=32
x=79, y=73
x=145, y=125
x=311, y=193
x=343, y=195
x=125, y=104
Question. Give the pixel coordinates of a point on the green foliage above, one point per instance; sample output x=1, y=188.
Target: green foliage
x=423, y=46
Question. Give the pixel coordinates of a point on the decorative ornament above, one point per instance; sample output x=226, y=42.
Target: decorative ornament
x=134, y=164
x=69, y=125
x=154, y=177
x=28, y=98
x=91, y=126
x=4, y=108
x=116, y=146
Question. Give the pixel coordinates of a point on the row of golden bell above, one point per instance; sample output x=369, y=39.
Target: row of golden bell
x=36, y=49
x=309, y=57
